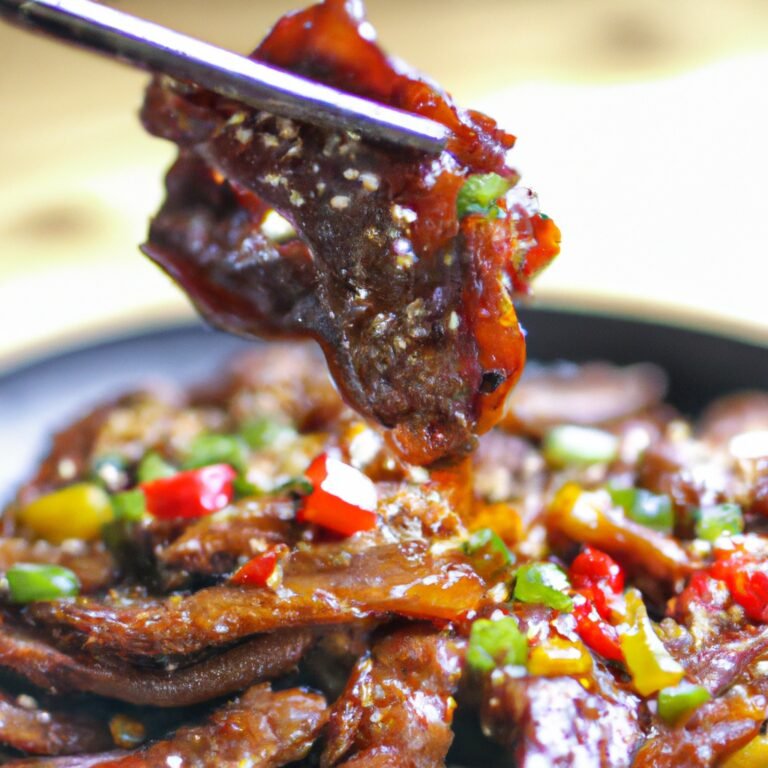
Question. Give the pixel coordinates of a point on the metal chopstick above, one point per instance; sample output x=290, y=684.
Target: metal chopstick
x=154, y=47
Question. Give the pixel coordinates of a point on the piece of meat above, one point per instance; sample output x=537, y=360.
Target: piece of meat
x=716, y=729
x=687, y=472
x=556, y=722
x=261, y=658
x=590, y=518
x=94, y=565
x=592, y=394
x=28, y=727
x=71, y=451
x=410, y=303
x=732, y=415
x=397, y=708
x=213, y=544
x=262, y=728
x=323, y=584
x=282, y=382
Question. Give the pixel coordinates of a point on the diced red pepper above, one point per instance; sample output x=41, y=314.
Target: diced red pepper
x=746, y=576
x=190, y=494
x=596, y=633
x=343, y=499
x=598, y=576
x=257, y=571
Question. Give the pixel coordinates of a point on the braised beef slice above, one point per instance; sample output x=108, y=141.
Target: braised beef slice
x=325, y=584
x=28, y=727
x=410, y=304
x=262, y=728
x=261, y=658
x=397, y=708
x=557, y=723
x=593, y=394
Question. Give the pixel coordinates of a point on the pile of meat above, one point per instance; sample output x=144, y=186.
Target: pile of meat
x=357, y=655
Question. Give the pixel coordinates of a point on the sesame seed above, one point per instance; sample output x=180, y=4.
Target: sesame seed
x=370, y=181
x=400, y=213
x=453, y=321
x=269, y=140
x=296, y=199
x=351, y=174
x=244, y=135
x=236, y=119
x=320, y=186
x=339, y=202
x=273, y=179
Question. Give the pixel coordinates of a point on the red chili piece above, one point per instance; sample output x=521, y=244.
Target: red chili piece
x=190, y=494
x=595, y=632
x=257, y=571
x=746, y=576
x=598, y=578
x=343, y=499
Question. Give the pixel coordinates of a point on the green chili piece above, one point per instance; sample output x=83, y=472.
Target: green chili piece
x=544, y=584
x=209, y=449
x=129, y=505
x=30, y=582
x=265, y=432
x=487, y=552
x=496, y=643
x=677, y=702
x=571, y=444
x=718, y=520
x=653, y=510
x=152, y=467
x=479, y=193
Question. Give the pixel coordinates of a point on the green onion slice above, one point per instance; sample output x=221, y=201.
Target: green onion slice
x=572, y=444
x=544, y=584
x=30, y=582
x=496, y=643
x=718, y=520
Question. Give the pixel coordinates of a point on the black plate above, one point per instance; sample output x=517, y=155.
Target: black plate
x=44, y=395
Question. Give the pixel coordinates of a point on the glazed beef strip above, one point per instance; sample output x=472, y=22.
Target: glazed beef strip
x=262, y=728
x=261, y=658
x=397, y=708
x=558, y=723
x=326, y=584
x=410, y=303
x=28, y=727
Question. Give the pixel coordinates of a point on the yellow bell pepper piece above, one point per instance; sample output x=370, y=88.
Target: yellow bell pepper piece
x=557, y=656
x=76, y=512
x=649, y=662
x=753, y=755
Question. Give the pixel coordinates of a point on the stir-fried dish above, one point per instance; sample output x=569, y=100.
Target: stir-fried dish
x=270, y=570
x=248, y=574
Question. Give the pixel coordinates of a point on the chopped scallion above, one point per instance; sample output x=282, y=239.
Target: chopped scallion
x=680, y=700
x=30, y=582
x=496, y=643
x=480, y=192
x=545, y=584
x=653, y=510
x=205, y=450
x=571, y=444
x=152, y=467
x=129, y=505
x=718, y=520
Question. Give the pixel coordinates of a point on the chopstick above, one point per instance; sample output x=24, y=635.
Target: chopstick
x=153, y=47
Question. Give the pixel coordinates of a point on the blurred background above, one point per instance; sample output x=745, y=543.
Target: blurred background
x=642, y=126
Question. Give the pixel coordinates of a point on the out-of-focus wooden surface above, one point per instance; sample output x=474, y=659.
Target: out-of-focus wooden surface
x=641, y=125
